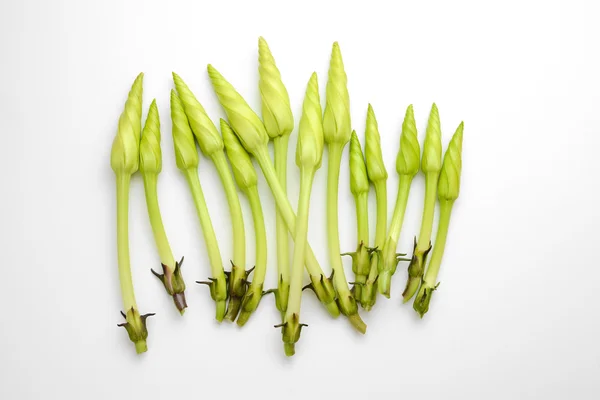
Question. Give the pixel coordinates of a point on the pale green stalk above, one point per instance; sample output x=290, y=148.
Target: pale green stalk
x=309, y=153
x=247, y=181
x=150, y=167
x=378, y=176
x=211, y=144
x=187, y=159
x=359, y=186
x=124, y=161
x=448, y=191
x=280, y=150
x=279, y=123
x=251, y=132
x=431, y=164
x=407, y=166
x=337, y=132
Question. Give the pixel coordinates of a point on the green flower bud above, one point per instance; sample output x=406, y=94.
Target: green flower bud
x=407, y=162
x=243, y=170
x=246, y=124
x=373, y=157
x=432, y=147
x=276, y=111
x=309, y=150
x=449, y=182
x=204, y=129
x=186, y=154
x=359, y=183
x=125, y=153
x=336, y=121
x=150, y=153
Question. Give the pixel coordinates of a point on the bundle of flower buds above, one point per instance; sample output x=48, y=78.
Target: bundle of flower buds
x=236, y=289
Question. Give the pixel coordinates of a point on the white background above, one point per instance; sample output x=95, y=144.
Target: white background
x=517, y=312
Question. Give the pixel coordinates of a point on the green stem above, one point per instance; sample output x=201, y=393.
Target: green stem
x=333, y=177
x=362, y=217
x=212, y=245
x=370, y=289
x=346, y=300
x=260, y=234
x=389, y=249
x=285, y=208
x=440, y=242
x=431, y=181
x=219, y=288
x=237, y=278
x=280, y=145
x=301, y=235
x=381, y=228
x=399, y=210
x=123, y=241
x=253, y=295
x=416, y=268
x=360, y=259
x=235, y=209
x=429, y=285
x=160, y=236
x=291, y=325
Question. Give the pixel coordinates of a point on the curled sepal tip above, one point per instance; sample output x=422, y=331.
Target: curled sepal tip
x=408, y=159
x=125, y=153
x=218, y=292
x=276, y=111
x=290, y=332
x=135, y=326
x=348, y=307
x=250, y=303
x=237, y=289
x=323, y=288
x=421, y=303
x=281, y=294
x=416, y=269
x=174, y=284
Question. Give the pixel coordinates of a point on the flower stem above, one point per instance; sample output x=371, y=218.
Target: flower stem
x=440, y=242
x=125, y=279
x=280, y=145
x=291, y=325
x=346, y=301
x=429, y=284
x=417, y=264
x=158, y=229
x=237, y=279
x=389, y=249
x=360, y=258
x=218, y=287
x=362, y=217
x=171, y=276
x=370, y=290
x=253, y=295
x=320, y=283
